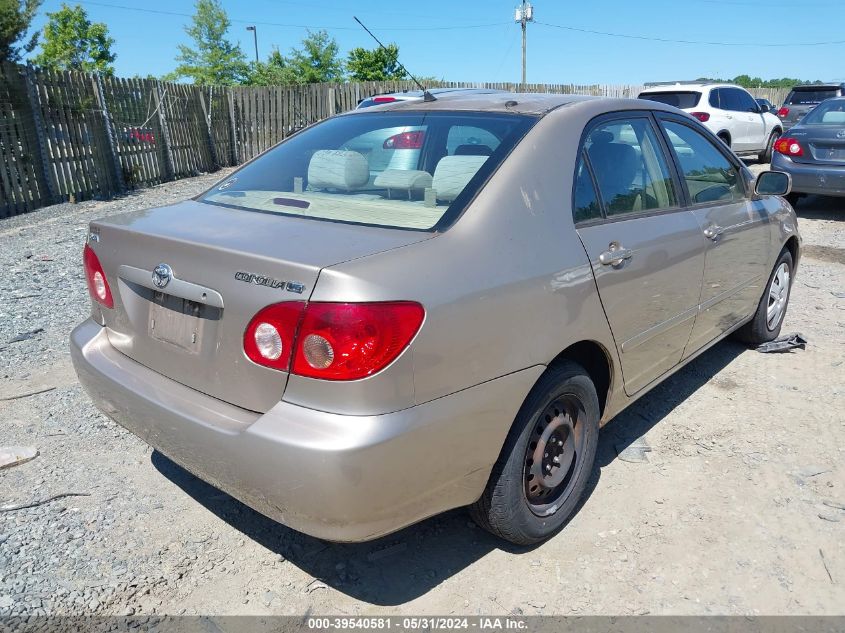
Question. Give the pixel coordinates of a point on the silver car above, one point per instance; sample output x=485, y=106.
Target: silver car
x=350, y=349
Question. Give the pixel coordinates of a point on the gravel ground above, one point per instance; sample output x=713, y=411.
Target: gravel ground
x=738, y=508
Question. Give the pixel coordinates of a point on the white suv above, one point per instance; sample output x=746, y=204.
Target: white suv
x=729, y=111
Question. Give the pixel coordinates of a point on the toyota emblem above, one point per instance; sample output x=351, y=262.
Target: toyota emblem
x=162, y=274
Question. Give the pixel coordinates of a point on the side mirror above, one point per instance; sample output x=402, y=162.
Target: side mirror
x=764, y=108
x=773, y=183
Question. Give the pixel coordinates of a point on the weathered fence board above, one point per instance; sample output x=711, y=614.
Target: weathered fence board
x=77, y=136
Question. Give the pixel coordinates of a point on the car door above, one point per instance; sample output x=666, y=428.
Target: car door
x=720, y=118
x=735, y=229
x=756, y=125
x=732, y=102
x=645, y=250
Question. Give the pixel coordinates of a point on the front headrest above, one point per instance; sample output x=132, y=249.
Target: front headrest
x=338, y=169
x=453, y=173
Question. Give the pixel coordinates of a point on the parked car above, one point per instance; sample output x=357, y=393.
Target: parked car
x=417, y=95
x=729, y=111
x=350, y=353
x=814, y=152
x=802, y=99
x=765, y=105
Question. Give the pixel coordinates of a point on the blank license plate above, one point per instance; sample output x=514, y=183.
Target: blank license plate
x=176, y=321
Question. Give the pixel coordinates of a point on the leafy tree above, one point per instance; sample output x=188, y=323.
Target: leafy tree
x=15, y=18
x=274, y=72
x=378, y=64
x=213, y=60
x=73, y=42
x=317, y=61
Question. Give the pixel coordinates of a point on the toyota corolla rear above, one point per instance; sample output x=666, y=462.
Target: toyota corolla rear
x=210, y=338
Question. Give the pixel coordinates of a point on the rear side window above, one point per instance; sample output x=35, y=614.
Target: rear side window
x=803, y=97
x=630, y=167
x=408, y=170
x=586, y=205
x=708, y=174
x=679, y=99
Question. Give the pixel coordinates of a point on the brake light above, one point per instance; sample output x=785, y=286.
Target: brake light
x=783, y=112
x=405, y=140
x=271, y=334
x=789, y=147
x=98, y=286
x=701, y=116
x=384, y=99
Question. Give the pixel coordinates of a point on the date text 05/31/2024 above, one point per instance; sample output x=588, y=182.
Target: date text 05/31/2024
x=478, y=623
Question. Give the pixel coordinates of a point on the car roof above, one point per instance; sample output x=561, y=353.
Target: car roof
x=687, y=86
x=531, y=103
x=437, y=91
x=820, y=87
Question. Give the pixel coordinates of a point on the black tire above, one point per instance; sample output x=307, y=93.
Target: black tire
x=766, y=155
x=759, y=329
x=509, y=508
x=793, y=198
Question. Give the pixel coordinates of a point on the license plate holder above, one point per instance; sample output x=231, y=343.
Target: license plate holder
x=176, y=321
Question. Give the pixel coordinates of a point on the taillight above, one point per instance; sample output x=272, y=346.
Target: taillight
x=332, y=341
x=384, y=99
x=701, y=116
x=271, y=334
x=98, y=286
x=788, y=146
x=783, y=112
x=405, y=140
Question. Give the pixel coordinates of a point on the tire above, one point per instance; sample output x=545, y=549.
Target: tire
x=560, y=419
x=766, y=155
x=793, y=198
x=725, y=139
x=761, y=328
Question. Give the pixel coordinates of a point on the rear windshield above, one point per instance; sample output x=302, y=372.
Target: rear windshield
x=678, y=99
x=409, y=170
x=798, y=97
x=827, y=113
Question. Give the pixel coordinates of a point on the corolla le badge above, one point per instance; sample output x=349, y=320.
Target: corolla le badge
x=162, y=274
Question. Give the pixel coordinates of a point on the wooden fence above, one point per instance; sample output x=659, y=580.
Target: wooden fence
x=76, y=136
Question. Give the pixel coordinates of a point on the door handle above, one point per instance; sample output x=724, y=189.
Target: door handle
x=728, y=116
x=713, y=232
x=615, y=256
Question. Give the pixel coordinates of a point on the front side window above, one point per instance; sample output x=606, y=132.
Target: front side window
x=630, y=167
x=709, y=175
x=409, y=170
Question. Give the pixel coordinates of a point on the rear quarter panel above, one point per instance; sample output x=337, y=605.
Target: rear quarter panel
x=507, y=287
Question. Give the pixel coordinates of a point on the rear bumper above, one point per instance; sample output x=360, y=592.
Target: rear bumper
x=341, y=478
x=825, y=180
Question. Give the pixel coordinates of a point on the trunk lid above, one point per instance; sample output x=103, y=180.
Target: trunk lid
x=226, y=265
x=822, y=144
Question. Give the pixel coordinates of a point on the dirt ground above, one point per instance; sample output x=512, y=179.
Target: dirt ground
x=739, y=507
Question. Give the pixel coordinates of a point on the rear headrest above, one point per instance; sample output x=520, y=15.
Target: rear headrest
x=472, y=150
x=453, y=173
x=337, y=169
x=404, y=179
x=833, y=116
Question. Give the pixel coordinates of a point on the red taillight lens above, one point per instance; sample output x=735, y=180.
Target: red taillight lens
x=783, y=112
x=384, y=99
x=345, y=341
x=701, y=116
x=789, y=147
x=271, y=334
x=98, y=286
x=405, y=140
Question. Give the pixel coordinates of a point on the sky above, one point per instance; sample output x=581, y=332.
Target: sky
x=477, y=40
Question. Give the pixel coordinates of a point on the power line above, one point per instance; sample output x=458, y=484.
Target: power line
x=672, y=41
x=299, y=26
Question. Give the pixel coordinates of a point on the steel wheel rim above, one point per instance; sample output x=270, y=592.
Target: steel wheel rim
x=554, y=453
x=777, y=296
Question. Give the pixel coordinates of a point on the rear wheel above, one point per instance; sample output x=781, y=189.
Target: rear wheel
x=542, y=472
x=766, y=155
x=768, y=319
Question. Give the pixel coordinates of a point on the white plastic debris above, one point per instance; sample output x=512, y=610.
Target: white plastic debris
x=15, y=455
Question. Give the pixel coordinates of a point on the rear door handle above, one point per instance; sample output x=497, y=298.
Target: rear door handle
x=713, y=232
x=615, y=256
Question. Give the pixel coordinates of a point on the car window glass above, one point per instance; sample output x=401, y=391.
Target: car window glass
x=586, y=204
x=679, y=99
x=802, y=97
x=714, y=98
x=746, y=101
x=629, y=167
x=466, y=140
x=709, y=175
x=827, y=113
x=730, y=99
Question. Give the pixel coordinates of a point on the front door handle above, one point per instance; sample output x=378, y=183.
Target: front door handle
x=615, y=256
x=713, y=232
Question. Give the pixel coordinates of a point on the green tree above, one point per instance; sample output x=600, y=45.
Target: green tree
x=274, y=72
x=378, y=64
x=15, y=18
x=72, y=42
x=213, y=59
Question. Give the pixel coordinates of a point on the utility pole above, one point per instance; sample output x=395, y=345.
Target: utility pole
x=524, y=14
x=255, y=39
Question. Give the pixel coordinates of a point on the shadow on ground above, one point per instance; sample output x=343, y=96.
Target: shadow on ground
x=820, y=208
x=403, y=566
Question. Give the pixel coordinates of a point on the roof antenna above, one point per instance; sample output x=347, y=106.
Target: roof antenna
x=427, y=96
